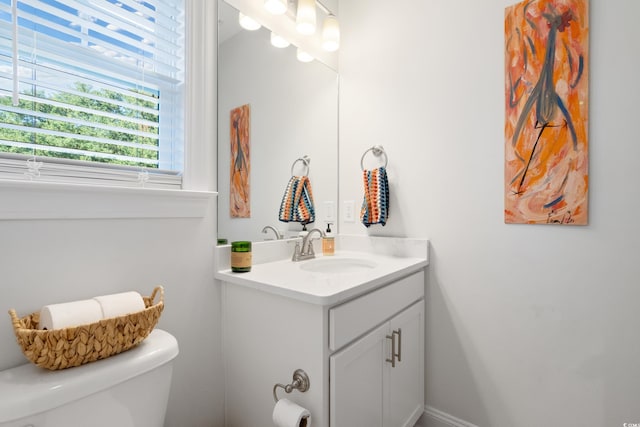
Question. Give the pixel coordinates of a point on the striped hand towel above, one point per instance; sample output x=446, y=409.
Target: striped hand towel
x=375, y=206
x=297, y=202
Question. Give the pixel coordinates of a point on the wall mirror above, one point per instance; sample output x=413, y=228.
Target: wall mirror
x=293, y=113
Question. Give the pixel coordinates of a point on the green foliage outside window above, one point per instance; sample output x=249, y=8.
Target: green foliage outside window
x=77, y=107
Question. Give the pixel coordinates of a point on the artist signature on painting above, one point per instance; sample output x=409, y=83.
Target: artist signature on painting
x=565, y=218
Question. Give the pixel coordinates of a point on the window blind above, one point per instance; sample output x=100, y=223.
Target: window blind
x=92, y=88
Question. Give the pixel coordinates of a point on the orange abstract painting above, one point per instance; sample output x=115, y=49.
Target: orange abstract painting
x=546, y=109
x=239, y=202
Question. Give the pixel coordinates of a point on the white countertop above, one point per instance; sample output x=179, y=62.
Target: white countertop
x=289, y=279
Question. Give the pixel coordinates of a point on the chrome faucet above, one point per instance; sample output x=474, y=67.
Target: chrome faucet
x=269, y=227
x=306, y=252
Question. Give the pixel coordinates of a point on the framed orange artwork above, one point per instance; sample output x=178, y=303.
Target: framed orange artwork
x=239, y=124
x=546, y=112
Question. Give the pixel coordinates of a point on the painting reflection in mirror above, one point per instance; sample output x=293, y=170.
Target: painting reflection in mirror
x=240, y=167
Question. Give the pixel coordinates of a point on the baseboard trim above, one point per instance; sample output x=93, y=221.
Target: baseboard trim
x=437, y=418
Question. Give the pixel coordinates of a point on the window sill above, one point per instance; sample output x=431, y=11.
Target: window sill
x=21, y=200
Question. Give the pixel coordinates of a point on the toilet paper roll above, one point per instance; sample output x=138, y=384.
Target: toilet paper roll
x=120, y=304
x=288, y=414
x=68, y=314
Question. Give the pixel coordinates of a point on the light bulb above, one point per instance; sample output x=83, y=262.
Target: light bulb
x=279, y=41
x=276, y=7
x=331, y=34
x=247, y=22
x=303, y=56
x=306, y=17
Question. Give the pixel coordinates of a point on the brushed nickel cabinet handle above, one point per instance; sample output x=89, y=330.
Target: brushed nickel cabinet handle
x=392, y=337
x=399, y=354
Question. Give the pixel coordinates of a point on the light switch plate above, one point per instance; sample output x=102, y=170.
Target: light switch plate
x=329, y=211
x=349, y=211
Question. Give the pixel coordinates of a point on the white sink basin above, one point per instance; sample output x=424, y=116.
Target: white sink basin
x=330, y=265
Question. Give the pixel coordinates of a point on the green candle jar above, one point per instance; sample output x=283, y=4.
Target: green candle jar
x=241, y=257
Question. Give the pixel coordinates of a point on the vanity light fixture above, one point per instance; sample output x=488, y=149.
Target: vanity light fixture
x=331, y=33
x=279, y=41
x=276, y=7
x=247, y=22
x=306, y=17
x=303, y=56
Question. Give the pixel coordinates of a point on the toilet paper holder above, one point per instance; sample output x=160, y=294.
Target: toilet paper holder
x=300, y=383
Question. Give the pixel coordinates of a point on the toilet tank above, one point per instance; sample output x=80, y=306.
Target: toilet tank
x=130, y=389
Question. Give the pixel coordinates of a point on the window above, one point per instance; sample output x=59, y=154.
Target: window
x=92, y=91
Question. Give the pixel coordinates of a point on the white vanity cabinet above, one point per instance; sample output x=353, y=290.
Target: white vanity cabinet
x=378, y=379
x=371, y=386
x=342, y=346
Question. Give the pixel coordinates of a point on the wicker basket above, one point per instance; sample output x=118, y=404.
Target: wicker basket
x=65, y=348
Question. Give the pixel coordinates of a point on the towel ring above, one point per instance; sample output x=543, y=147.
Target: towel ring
x=305, y=160
x=377, y=151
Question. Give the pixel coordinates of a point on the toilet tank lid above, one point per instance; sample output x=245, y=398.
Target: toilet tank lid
x=27, y=389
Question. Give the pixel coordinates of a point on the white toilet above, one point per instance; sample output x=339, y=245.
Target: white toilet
x=130, y=389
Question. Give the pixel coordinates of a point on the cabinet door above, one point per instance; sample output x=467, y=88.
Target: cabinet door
x=357, y=378
x=406, y=379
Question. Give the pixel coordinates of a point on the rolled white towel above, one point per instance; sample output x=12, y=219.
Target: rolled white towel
x=69, y=314
x=115, y=305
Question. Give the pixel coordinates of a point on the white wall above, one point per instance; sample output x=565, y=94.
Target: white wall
x=526, y=325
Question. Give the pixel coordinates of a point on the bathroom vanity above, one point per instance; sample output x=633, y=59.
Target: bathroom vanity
x=353, y=322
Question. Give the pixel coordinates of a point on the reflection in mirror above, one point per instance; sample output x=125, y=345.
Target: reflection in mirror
x=293, y=113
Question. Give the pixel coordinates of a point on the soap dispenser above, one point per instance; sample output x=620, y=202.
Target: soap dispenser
x=328, y=242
